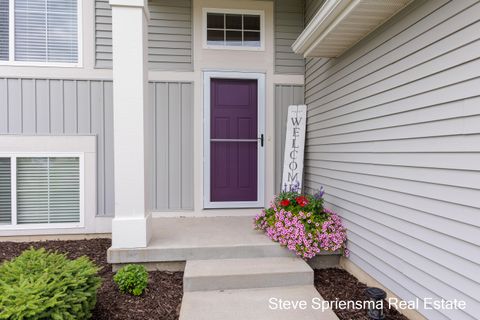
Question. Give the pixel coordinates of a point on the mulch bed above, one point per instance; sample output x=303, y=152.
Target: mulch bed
x=161, y=301
x=163, y=297
x=333, y=283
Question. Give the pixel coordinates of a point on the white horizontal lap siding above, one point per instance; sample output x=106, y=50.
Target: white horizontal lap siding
x=169, y=35
x=393, y=136
x=289, y=15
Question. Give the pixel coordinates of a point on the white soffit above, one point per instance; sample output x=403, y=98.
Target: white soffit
x=339, y=24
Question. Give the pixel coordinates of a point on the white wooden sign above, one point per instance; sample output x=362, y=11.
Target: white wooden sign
x=294, y=147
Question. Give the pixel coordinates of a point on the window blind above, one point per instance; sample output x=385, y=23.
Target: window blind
x=48, y=190
x=5, y=191
x=46, y=30
x=64, y=184
x=4, y=27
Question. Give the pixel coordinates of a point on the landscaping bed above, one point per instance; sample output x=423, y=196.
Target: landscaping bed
x=333, y=283
x=161, y=300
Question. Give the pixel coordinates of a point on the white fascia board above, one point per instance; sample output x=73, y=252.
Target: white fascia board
x=314, y=40
x=322, y=19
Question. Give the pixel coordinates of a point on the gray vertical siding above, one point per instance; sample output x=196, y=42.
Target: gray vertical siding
x=83, y=107
x=64, y=107
x=288, y=26
x=393, y=134
x=172, y=112
x=285, y=95
x=169, y=35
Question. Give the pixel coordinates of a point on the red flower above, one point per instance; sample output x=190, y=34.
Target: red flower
x=284, y=202
x=302, y=201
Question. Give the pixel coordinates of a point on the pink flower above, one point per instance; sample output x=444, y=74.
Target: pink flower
x=289, y=229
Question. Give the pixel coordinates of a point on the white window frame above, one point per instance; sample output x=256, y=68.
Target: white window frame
x=11, y=43
x=261, y=175
x=261, y=13
x=13, y=173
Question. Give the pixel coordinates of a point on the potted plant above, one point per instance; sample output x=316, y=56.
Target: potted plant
x=300, y=222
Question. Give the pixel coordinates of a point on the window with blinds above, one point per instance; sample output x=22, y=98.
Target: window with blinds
x=4, y=27
x=47, y=190
x=5, y=191
x=43, y=30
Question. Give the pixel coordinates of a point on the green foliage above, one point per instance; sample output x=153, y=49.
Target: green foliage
x=47, y=285
x=312, y=203
x=132, y=278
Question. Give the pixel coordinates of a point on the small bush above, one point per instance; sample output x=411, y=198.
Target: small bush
x=47, y=285
x=132, y=279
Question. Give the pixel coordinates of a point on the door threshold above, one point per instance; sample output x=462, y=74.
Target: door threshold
x=237, y=212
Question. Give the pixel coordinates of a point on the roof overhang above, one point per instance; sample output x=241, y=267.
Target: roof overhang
x=339, y=24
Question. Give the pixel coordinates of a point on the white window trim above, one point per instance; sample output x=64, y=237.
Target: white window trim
x=11, y=43
x=261, y=177
x=35, y=226
x=261, y=13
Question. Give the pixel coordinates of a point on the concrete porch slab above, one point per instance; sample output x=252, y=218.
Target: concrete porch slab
x=181, y=239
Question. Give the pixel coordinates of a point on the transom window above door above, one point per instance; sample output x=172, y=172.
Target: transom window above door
x=39, y=32
x=233, y=29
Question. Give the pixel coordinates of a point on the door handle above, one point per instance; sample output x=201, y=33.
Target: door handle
x=261, y=140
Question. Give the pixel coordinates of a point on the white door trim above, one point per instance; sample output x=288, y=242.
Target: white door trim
x=260, y=77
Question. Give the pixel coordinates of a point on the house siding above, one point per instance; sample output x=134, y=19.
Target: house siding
x=288, y=26
x=285, y=95
x=311, y=7
x=64, y=107
x=84, y=107
x=393, y=136
x=169, y=35
x=103, y=34
x=172, y=186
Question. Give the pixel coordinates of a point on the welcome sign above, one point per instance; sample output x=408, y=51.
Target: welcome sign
x=294, y=147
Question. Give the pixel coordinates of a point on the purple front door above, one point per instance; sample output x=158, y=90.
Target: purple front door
x=233, y=140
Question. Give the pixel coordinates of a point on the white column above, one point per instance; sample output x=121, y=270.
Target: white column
x=131, y=226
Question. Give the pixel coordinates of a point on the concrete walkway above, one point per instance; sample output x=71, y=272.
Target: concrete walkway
x=252, y=304
x=277, y=288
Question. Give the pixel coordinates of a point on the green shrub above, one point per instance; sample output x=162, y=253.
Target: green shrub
x=132, y=278
x=47, y=285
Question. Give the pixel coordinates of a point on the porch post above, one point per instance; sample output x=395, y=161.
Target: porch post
x=130, y=227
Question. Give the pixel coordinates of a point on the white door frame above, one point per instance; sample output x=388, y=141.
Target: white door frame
x=260, y=77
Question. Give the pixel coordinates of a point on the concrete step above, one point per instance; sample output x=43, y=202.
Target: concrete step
x=161, y=253
x=222, y=274
x=182, y=239
x=253, y=304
